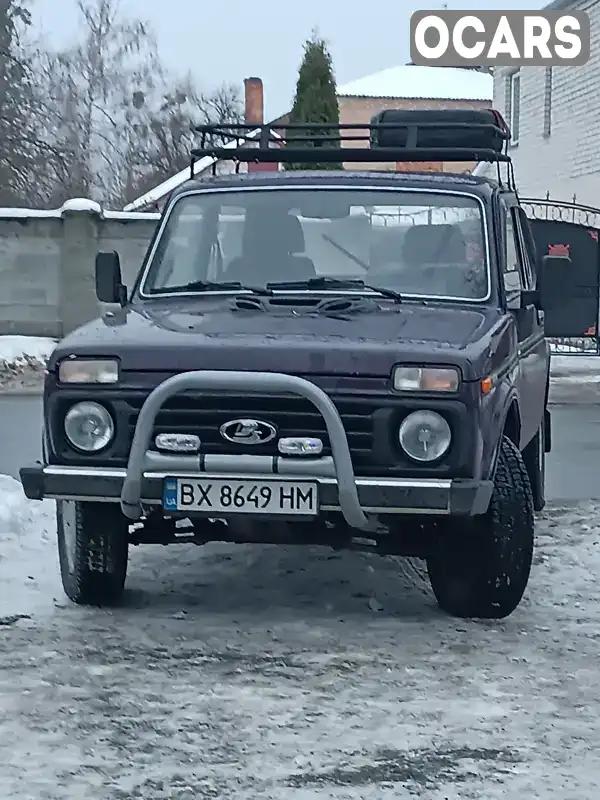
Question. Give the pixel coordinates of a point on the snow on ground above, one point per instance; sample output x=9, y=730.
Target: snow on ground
x=23, y=357
x=574, y=379
x=28, y=577
x=262, y=673
x=578, y=368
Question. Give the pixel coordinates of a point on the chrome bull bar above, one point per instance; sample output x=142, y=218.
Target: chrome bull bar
x=340, y=463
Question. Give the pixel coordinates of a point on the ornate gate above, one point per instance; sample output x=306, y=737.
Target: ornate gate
x=571, y=230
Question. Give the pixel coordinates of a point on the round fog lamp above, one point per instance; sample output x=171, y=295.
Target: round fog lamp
x=424, y=436
x=89, y=427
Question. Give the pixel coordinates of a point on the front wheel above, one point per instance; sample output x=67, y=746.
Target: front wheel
x=93, y=544
x=480, y=567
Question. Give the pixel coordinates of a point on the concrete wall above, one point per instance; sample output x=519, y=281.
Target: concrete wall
x=47, y=285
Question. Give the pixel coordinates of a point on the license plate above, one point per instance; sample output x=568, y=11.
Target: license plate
x=240, y=496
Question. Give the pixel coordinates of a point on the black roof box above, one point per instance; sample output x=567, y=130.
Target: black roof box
x=440, y=129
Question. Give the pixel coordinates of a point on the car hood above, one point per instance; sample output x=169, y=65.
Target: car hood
x=177, y=336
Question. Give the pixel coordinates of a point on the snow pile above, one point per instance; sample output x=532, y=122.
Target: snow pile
x=23, y=355
x=28, y=562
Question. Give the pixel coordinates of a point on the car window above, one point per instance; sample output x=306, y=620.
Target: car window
x=512, y=266
x=423, y=243
x=176, y=256
x=526, y=249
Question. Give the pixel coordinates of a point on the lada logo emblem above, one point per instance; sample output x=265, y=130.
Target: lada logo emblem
x=248, y=431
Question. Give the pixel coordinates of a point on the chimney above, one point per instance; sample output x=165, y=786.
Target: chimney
x=254, y=114
x=254, y=107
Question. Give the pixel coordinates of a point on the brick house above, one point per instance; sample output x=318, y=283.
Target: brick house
x=413, y=87
x=554, y=116
x=406, y=86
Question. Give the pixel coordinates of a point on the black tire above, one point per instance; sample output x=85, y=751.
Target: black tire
x=93, y=544
x=480, y=568
x=534, y=457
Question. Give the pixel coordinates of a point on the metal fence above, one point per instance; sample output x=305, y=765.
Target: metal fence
x=577, y=228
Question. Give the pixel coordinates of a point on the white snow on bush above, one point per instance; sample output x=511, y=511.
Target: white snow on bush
x=23, y=359
x=16, y=350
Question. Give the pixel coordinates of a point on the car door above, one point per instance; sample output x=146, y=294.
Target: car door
x=520, y=278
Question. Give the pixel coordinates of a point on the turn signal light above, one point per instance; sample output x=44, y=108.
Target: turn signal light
x=487, y=384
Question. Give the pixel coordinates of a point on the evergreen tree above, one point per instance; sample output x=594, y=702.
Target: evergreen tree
x=315, y=100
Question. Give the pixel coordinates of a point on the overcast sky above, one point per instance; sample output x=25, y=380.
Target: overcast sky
x=230, y=40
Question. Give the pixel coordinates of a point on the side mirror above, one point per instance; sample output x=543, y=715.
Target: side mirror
x=109, y=286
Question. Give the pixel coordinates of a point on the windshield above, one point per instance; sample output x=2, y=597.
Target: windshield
x=428, y=244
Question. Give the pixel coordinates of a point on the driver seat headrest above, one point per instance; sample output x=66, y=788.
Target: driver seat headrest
x=280, y=233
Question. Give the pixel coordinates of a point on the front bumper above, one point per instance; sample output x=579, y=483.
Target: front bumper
x=360, y=500
x=375, y=495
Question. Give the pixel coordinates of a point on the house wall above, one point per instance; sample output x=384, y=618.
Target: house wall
x=563, y=161
x=356, y=110
x=47, y=284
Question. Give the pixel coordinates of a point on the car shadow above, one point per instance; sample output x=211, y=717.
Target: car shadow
x=282, y=582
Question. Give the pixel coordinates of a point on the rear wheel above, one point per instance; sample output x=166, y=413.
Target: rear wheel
x=93, y=544
x=480, y=567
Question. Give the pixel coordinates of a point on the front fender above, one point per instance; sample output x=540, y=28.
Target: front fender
x=500, y=416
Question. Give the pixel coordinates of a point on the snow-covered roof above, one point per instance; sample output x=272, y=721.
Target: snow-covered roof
x=166, y=187
x=427, y=83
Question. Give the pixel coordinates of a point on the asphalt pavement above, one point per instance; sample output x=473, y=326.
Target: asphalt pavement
x=573, y=467
x=20, y=432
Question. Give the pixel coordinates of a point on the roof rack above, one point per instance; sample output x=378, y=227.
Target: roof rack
x=392, y=135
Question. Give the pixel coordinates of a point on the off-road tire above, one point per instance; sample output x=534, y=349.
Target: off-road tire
x=480, y=567
x=534, y=457
x=94, y=569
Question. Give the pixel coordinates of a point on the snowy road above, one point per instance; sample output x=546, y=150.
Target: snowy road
x=261, y=673
x=257, y=672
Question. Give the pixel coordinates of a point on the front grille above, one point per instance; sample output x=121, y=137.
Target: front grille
x=370, y=419
x=203, y=414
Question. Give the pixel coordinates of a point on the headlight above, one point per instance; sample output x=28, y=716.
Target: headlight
x=89, y=426
x=425, y=379
x=424, y=436
x=96, y=370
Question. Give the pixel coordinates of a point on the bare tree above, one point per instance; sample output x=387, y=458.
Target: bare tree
x=66, y=172
x=89, y=97
x=107, y=120
x=18, y=141
x=165, y=134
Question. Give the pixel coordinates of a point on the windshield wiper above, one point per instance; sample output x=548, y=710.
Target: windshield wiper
x=212, y=286
x=335, y=283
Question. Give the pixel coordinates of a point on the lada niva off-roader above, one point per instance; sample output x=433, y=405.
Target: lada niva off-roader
x=339, y=358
